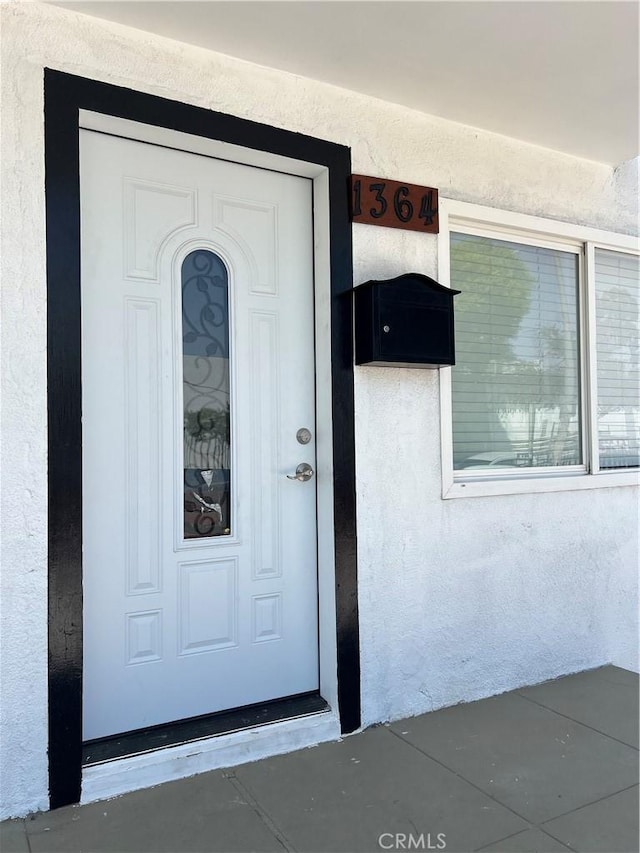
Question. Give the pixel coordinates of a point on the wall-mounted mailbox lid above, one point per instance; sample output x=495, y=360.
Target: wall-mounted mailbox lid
x=404, y=322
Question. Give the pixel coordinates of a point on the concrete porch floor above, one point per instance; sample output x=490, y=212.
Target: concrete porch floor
x=547, y=768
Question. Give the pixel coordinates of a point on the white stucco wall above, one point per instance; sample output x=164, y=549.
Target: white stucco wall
x=458, y=599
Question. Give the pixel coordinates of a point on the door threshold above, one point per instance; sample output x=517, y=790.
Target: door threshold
x=141, y=741
x=219, y=752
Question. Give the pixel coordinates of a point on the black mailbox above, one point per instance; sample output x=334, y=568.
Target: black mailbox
x=404, y=322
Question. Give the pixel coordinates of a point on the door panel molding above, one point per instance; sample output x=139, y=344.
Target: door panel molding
x=65, y=96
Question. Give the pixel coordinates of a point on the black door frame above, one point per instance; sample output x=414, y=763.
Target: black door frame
x=65, y=95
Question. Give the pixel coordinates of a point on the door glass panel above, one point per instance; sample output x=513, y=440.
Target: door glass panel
x=206, y=386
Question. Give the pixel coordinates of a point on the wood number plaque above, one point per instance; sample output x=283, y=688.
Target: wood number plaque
x=378, y=201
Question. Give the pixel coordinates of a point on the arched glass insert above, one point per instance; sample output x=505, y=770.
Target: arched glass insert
x=206, y=396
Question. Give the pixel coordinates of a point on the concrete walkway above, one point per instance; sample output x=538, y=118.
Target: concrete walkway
x=546, y=768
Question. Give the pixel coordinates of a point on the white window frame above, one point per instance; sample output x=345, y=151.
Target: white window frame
x=464, y=217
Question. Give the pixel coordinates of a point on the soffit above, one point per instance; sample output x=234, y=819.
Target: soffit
x=563, y=75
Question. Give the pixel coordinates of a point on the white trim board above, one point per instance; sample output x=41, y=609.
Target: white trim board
x=197, y=144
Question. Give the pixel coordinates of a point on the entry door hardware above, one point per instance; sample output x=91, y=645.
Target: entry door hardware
x=303, y=436
x=404, y=322
x=304, y=472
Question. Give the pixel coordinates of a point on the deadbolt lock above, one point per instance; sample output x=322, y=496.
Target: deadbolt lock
x=303, y=435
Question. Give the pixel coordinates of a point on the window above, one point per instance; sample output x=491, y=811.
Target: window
x=546, y=383
x=516, y=383
x=206, y=396
x=617, y=348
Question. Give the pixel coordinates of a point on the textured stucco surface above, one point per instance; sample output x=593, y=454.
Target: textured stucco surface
x=458, y=599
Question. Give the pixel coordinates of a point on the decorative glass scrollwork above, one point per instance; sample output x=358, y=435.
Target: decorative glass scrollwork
x=206, y=394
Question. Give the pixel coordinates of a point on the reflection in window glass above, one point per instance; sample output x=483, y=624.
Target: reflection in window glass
x=618, y=347
x=516, y=382
x=206, y=386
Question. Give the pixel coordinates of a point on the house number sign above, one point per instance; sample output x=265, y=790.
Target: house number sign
x=377, y=201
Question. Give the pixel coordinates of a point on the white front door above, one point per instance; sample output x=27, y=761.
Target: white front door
x=199, y=560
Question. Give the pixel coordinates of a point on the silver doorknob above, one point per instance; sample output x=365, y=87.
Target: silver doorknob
x=303, y=473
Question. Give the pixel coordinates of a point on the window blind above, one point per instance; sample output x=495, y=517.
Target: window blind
x=516, y=382
x=617, y=350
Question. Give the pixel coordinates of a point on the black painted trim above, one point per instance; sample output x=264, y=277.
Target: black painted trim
x=65, y=94
x=196, y=728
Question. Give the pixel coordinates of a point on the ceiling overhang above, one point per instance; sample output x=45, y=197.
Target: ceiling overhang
x=562, y=74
